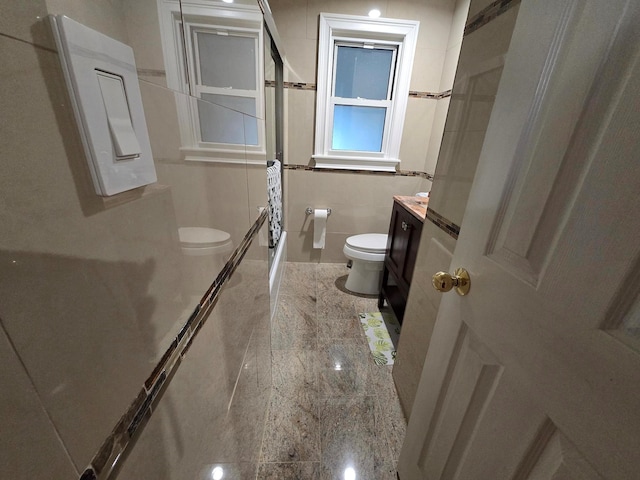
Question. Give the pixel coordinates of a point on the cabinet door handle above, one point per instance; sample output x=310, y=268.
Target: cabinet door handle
x=405, y=226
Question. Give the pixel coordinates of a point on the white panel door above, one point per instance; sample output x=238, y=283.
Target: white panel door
x=536, y=373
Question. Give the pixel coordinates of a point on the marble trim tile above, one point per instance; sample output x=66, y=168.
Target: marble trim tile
x=443, y=224
x=399, y=173
x=313, y=86
x=487, y=14
x=122, y=438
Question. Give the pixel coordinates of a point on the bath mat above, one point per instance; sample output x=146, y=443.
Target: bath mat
x=382, y=331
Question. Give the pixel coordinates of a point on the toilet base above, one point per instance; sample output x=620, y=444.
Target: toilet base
x=364, y=277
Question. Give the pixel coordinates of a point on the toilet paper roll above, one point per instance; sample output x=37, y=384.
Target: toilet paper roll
x=319, y=227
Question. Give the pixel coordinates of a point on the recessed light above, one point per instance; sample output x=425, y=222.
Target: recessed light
x=227, y=1
x=375, y=13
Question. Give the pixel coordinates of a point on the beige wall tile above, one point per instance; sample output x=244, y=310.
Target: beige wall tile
x=26, y=21
x=351, y=219
x=437, y=132
x=352, y=7
x=416, y=135
x=450, y=66
x=299, y=247
x=427, y=70
x=360, y=203
x=434, y=16
x=301, y=119
x=458, y=22
x=29, y=445
x=257, y=189
x=105, y=17
x=452, y=187
x=332, y=252
x=301, y=59
x=162, y=121
x=291, y=18
x=143, y=32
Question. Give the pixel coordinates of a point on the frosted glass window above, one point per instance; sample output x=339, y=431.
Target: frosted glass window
x=363, y=72
x=358, y=128
x=222, y=122
x=227, y=61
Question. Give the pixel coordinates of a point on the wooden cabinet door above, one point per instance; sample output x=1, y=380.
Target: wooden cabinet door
x=398, y=244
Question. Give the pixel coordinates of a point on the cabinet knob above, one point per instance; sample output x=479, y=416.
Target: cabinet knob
x=460, y=280
x=405, y=226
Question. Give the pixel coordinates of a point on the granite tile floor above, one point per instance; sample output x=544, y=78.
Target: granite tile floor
x=333, y=413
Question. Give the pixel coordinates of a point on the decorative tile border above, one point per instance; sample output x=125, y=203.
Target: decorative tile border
x=312, y=86
x=443, y=224
x=488, y=14
x=400, y=173
x=110, y=456
x=300, y=85
x=149, y=72
x=434, y=96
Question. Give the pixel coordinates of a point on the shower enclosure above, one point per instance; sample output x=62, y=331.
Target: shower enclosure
x=112, y=366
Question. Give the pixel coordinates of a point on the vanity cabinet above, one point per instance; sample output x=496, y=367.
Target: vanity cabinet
x=405, y=230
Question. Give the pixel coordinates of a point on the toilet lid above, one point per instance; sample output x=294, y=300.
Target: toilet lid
x=369, y=242
x=202, y=236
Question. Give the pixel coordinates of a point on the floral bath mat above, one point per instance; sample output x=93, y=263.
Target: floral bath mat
x=382, y=333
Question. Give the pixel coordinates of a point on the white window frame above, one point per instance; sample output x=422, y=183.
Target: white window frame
x=363, y=31
x=204, y=15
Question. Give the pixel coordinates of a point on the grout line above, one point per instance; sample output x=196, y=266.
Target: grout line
x=39, y=397
x=34, y=45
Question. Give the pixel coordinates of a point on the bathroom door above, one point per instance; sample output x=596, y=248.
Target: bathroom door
x=535, y=374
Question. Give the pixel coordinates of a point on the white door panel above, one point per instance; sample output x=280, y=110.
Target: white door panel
x=536, y=373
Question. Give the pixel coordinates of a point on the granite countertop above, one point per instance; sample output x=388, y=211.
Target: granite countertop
x=417, y=206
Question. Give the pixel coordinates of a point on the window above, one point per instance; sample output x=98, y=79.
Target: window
x=364, y=69
x=214, y=53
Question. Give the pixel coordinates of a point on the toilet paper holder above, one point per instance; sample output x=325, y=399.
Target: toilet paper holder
x=309, y=211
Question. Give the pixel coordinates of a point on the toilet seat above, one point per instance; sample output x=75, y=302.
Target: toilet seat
x=199, y=237
x=368, y=242
x=369, y=247
x=198, y=241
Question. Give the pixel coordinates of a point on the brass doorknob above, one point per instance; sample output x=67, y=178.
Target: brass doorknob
x=443, y=282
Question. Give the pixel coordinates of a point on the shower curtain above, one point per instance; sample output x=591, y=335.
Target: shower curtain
x=274, y=186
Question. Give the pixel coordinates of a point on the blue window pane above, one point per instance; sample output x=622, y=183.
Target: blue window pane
x=363, y=73
x=221, y=122
x=358, y=128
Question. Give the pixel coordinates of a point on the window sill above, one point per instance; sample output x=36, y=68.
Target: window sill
x=356, y=163
x=224, y=156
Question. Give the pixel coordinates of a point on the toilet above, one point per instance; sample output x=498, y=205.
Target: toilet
x=204, y=253
x=366, y=253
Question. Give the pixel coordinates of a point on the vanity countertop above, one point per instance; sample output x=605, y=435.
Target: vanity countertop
x=417, y=206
